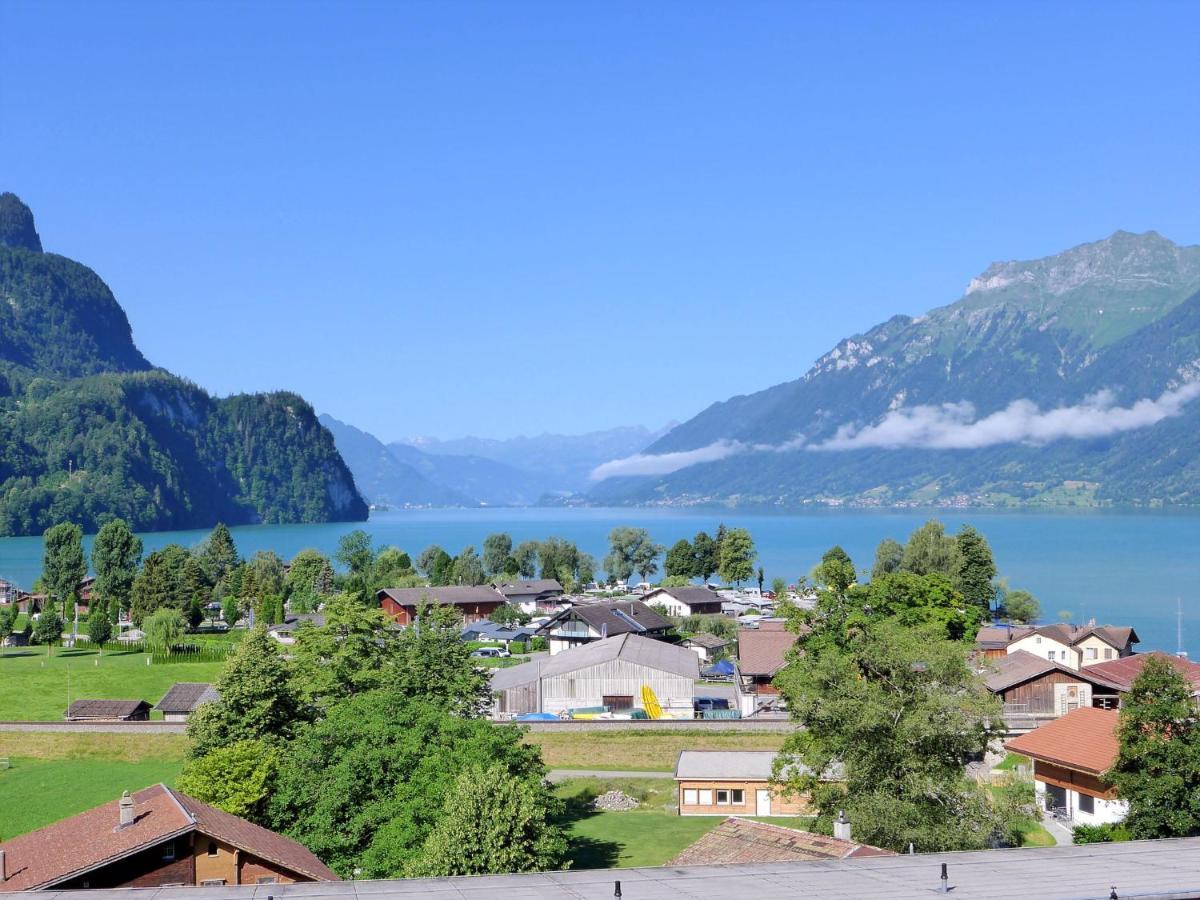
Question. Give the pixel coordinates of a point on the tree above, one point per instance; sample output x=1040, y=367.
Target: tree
x=231, y=610
x=237, y=778
x=168, y=580
x=631, y=550
x=441, y=573
x=48, y=630
x=492, y=822
x=63, y=565
x=348, y=654
x=508, y=614
x=705, y=562
x=116, y=553
x=496, y=550
x=779, y=588
x=901, y=711
x=835, y=572
x=1021, y=607
x=309, y=578
x=681, y=560
x=930, y=549
x=889, y=556
x=8, y=618
x=976, y=568
x=525, y=555
x=354, y=551
x=468, y=568
x=267, y=568
x=393, y=568
x=1157, y=770
x=431, y=662
x=99, y=625
x=759, y=575
x=737, y=556
x=164, y=629
x=256, y=702
x=217, y=554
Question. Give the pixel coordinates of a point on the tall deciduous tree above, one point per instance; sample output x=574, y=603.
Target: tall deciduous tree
x=468, y=568
x=705, y=562
x=354, y=551
x=930, y=550
x=1158, y=762
x=976, y=568
x=237, y=778
x=631, y=550
x=116, y=553
x=1020, y=607
x=163, y=628
x=681, y=560
x=889, y=556
x=63, y=565
x=497, y=548
x=737, y=556
x=525, y=554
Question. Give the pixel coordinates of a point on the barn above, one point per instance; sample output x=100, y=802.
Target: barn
x=611, y=673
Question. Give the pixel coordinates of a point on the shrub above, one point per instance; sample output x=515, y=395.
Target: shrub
x=516, y=647
x=538, y=643
x=1100, y=834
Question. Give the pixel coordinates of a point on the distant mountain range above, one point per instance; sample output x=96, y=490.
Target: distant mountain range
x=471, y=471
x=1068, y=380
x=90, y=430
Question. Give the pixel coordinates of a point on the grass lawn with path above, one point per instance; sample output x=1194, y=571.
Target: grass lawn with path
x=33, y=685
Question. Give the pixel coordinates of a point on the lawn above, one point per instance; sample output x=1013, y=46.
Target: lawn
x=650, y=835
x=645, y=751
x=33, y=686
x=52, y=776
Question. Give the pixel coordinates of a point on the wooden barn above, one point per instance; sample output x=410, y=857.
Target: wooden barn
x=1036, y=690
x=474, y=603
x=608, y=673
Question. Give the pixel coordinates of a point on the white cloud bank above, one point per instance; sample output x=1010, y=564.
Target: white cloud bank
x=950, y=426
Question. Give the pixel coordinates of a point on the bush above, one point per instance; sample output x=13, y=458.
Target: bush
x=1100, y=834
x=538, y=643
x=516, y=647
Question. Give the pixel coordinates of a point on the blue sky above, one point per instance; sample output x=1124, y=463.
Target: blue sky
x=440, y=218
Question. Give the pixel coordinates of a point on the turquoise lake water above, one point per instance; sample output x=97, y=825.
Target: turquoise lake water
x=1120, y=568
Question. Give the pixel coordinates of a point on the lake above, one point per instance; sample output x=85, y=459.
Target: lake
x=1118, y=567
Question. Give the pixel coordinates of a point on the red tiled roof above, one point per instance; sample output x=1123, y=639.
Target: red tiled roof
x=745, y=841
x=1084, y=739
x=91, y=839
x=763, y=652
x=1121, y=672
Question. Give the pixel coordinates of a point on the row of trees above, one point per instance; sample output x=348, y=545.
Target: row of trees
x=731, y=554
x=413, y=779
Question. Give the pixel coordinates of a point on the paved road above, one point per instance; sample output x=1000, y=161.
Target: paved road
x=564, y=774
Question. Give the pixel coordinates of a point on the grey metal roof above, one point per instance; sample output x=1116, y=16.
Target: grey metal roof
x=184, y=696
x=753, y=765
x=642, y=651
x=1144, y=869
x=622, y=617
x=689, y=594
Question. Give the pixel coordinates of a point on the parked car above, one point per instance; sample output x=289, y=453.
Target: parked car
x=490, y=653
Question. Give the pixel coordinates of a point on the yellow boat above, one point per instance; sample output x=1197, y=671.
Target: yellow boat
x=650, y=701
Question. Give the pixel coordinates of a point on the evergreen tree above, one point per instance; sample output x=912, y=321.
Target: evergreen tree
x=63, y=566
x=168, y=580
x=116, y=554
x=217, y=554
x=976, y=568
x=1157, y=770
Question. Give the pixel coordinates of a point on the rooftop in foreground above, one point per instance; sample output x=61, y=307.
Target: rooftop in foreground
x=1144, y=869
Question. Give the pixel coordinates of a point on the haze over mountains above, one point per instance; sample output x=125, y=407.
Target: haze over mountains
x=1062, y=380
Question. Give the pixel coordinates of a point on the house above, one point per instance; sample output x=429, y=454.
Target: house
x=589, y=622
x=685, y=601
x=706, y=646
x=733, y=783
x=1120, y=674
x=762, y=652
x=1035, y=690
x=1070, y=756
x=474, y=603
x=1073, y=645
x=108, y=711
x=741, y=841
x=485, y=630
x=532, y=597
x=156, y=838
x=9, y=592
x=285, y=631
x=610, y=673
x=184, y=698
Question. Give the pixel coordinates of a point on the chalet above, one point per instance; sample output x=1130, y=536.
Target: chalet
x=762, y=652
x=733, y=783
x=738, y=840
x=685, y=601
x=590, y=622
x=1070, y=756
x=1074, y=646
x=610, y=673
x=485, y=630
x=184, y=698
x=285, y=632
x=156, y=838
x=108, y=711
x=1035, y=690
x=474, y=603
x=538, y=596
x=706, y=646
x=9, y=592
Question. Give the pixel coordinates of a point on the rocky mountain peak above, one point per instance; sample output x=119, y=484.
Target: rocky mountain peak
x=16, y=224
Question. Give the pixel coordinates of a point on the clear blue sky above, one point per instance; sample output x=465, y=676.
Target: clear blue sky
x=442, y=218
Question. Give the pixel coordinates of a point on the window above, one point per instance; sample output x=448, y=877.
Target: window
x=268, y=879
x=212, y=882
x=1050, y=655
x=739, y=796
x=617, y=702
x=1087, y=804
x=722, y=798
x=1038, y=639
x=689, y=797
x=706, y=797
x=212, y=848
x=1091, y=652
x=168, y=850
x=1108, y=652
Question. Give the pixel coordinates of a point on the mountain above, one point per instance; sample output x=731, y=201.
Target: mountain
x=564, y=461
x=490, y=482
x=992, y=399
x=90, y=430
x=384, y=479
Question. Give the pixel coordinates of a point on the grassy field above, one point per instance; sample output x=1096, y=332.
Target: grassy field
x=52, y=776
x=648, y=836
x=644, y=751
x=33, y=686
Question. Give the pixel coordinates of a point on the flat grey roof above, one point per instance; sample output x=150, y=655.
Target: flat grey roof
x=1158, y=869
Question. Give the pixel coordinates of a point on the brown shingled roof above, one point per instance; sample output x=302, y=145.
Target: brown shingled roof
x=763, y=651
x=1021, y=665
x=185, y=696
x=106, y=709
x=744, y=841
x=1121, y=672
x=85, y=842
x=1084, y=739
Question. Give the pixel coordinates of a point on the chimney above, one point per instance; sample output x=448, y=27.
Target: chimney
x=126, y=808
x=841, y=826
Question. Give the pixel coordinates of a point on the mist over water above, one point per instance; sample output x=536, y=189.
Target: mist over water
x=1120, y=568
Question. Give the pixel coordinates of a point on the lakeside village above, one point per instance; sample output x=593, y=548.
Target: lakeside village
x=220, y=721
